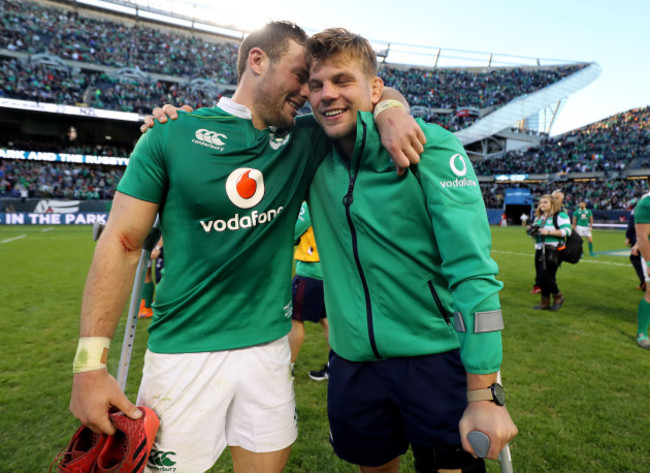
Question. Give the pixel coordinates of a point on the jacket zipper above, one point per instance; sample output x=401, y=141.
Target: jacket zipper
x=436, y=298
x=347, y=202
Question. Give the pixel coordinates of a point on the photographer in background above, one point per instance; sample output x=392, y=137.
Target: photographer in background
x=547, y=239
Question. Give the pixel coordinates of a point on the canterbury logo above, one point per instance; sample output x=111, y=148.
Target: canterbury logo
x=245, y=187
x=162, y=459
x=209, y=138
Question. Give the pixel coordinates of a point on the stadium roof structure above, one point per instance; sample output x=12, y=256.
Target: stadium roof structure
x=484, y=131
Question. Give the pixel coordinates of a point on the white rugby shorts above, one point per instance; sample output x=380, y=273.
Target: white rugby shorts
x=644, y=266
x=583, y=231
x=208, y=401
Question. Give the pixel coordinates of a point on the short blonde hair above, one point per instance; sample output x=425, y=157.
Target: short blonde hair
x=336, y=43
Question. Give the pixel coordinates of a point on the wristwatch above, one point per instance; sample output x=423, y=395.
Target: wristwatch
x=492, y=393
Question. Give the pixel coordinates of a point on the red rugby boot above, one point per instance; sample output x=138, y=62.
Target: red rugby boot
x=81, y=453
x=127, y=451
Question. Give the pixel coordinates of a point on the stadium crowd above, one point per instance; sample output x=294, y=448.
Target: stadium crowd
x=444, y=95
x=29, y=179
x=33, y=28
x=598, y=194
x=616, y=143
x=461, y=89
x=611, y=144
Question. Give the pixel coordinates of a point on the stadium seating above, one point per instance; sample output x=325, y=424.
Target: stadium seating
x=63, y=56
x=31, y=28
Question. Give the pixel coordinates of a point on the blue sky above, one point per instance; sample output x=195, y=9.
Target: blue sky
x=614, y=34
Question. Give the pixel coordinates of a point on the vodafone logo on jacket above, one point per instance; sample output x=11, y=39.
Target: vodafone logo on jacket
x=245, y=187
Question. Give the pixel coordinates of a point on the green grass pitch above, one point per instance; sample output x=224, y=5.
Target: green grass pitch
x=576, y=383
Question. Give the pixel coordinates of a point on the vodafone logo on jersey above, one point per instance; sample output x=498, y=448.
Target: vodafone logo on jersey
x=459, y=168
x=245, y=187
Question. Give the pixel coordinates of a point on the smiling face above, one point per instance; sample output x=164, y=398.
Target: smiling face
x=338, y=89
x=281, y=89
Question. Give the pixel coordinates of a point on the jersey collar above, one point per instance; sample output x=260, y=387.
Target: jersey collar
x=229, y=105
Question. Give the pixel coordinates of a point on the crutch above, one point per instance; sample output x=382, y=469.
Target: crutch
x=481, y=444
x=132, y=318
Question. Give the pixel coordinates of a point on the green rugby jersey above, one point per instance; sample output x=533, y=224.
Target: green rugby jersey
x=229, y=198
x=583, y=216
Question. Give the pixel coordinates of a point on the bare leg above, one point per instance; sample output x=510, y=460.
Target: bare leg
x=296, y=337
x=245, y=461
x=326, y=329
x=390, y=467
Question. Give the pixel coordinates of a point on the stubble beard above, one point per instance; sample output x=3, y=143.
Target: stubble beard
x=270, y=107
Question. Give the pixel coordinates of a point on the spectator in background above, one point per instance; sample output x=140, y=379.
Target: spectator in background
x=547, y=259
x=558, y=195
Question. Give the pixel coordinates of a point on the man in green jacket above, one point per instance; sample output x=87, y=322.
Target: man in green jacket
x=411, y=294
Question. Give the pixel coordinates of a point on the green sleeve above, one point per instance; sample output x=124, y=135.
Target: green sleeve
x=462, y=234
x=642, y=211
x=145, y=177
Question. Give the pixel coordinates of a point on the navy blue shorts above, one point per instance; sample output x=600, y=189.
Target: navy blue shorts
x=377, y=408
x=308, y=299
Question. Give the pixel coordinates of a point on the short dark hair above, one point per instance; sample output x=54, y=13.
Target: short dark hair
x=273, y=38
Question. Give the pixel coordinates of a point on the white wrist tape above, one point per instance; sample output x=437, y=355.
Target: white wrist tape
x=385, y=105
x=92, y=353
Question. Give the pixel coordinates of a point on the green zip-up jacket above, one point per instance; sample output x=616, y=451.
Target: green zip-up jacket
x=406, y=260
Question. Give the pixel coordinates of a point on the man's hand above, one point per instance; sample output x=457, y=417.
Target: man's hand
x=94, y=393
x=401, y=136
x=161, y=114
x=491, y=419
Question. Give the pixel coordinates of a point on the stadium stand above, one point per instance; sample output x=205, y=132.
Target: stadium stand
x=79, y=42
x=64, y=54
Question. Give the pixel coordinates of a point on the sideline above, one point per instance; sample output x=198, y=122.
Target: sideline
x=583, y=260
x=12, y=239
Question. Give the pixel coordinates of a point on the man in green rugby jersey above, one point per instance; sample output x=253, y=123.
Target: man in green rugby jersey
x=583, y=223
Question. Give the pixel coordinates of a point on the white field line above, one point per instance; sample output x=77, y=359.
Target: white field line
x=12, y=239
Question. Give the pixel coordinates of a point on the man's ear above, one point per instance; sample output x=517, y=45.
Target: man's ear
x=257, y=61
x=376, y=89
